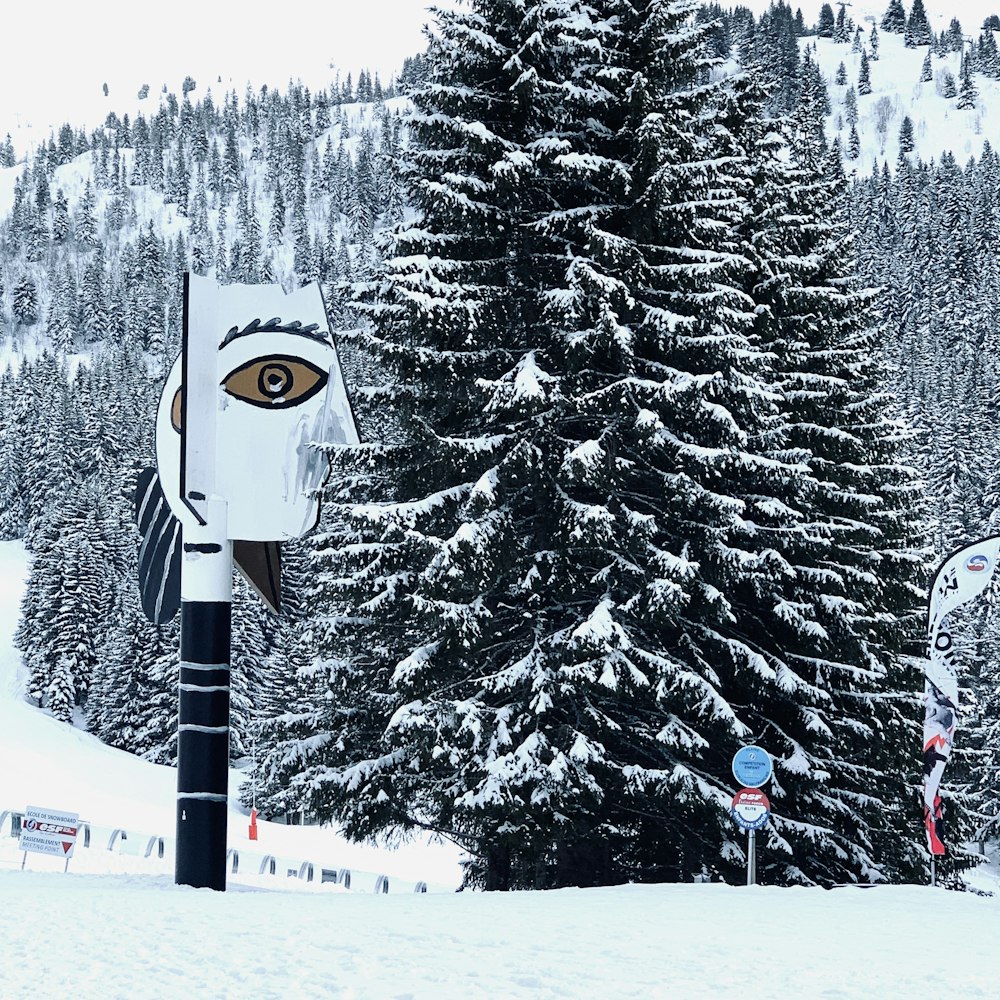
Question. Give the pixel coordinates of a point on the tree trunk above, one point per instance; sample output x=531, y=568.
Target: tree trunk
x=498, y=867
x=585, y=862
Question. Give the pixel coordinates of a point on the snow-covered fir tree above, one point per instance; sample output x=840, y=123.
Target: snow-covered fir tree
x=564, y=581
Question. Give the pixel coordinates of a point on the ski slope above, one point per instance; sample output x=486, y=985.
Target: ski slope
x=897, y=93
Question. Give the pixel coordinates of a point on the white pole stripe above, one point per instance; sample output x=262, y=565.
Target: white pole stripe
x=207, y=796
x=190, y=727
x=186, y=665
x=206, y=687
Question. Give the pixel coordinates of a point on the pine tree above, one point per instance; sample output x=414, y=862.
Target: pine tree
x=851, y=107
x=505, y=488
x=955, y=37
x=840, y=31
x=926, y=71
x=86, y=219
x=817, y=282
x=827, y=24
x=906, y=135
x=864, y=76
x=25, y=304
x=60, y=218
x=873, y=44
x=8, y=158
x=248, y=668
x=968, y=92
x=918, y=29
x=585, y=502
x=853, y=143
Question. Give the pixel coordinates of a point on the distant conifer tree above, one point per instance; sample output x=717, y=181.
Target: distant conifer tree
x=918, y=28
x=968, y=92
x=853, y=144
x=906, y=135
x=926, y=70
x=894, y=19
x=827, y=24
x=864, y=76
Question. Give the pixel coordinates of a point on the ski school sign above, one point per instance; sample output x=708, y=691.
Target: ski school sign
x=45, y=831
x=751, y=808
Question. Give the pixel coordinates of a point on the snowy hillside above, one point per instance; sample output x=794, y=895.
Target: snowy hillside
x=896, y=90
x=50, y=764
x=205, y=42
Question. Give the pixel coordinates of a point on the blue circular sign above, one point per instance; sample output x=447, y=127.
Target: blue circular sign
x=752, y=766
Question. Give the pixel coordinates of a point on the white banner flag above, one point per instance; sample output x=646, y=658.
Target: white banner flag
x=965, y=574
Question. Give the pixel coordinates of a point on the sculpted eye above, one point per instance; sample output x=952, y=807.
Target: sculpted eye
x=276, y=382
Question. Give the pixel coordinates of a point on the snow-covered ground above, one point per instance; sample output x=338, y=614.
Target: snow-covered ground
x=136, y=938
x=115, y=925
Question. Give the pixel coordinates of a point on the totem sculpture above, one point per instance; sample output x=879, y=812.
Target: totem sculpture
x=240, y=433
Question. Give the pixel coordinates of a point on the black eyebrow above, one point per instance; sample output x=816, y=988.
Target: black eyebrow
x=275, y=325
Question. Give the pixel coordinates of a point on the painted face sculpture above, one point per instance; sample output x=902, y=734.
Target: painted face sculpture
x=278, y=394
x=256, y=390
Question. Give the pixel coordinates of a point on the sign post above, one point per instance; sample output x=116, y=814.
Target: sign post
x=46, y=831
x=240, y=430
x=752, y=768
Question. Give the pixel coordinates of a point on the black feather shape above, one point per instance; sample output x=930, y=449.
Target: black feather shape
x=159, y=551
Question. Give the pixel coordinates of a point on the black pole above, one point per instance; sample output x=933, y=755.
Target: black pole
x=203, y=744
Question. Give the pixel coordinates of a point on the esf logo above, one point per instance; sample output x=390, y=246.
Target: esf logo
x=977, y=564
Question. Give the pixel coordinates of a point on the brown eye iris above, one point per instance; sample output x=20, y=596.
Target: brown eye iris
x=275, y=383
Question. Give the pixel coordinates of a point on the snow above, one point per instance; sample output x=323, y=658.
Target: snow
x=128, y=937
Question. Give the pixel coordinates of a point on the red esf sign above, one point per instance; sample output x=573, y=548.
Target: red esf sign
x=46, y=831
x=751, y=808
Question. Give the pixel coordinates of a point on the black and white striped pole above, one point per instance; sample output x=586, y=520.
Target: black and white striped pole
x=203, y=707
x=206, y=608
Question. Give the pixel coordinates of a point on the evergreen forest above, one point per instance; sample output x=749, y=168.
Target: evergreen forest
x=666, y=423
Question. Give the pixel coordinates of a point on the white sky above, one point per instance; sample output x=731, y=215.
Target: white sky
x=58, y=55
